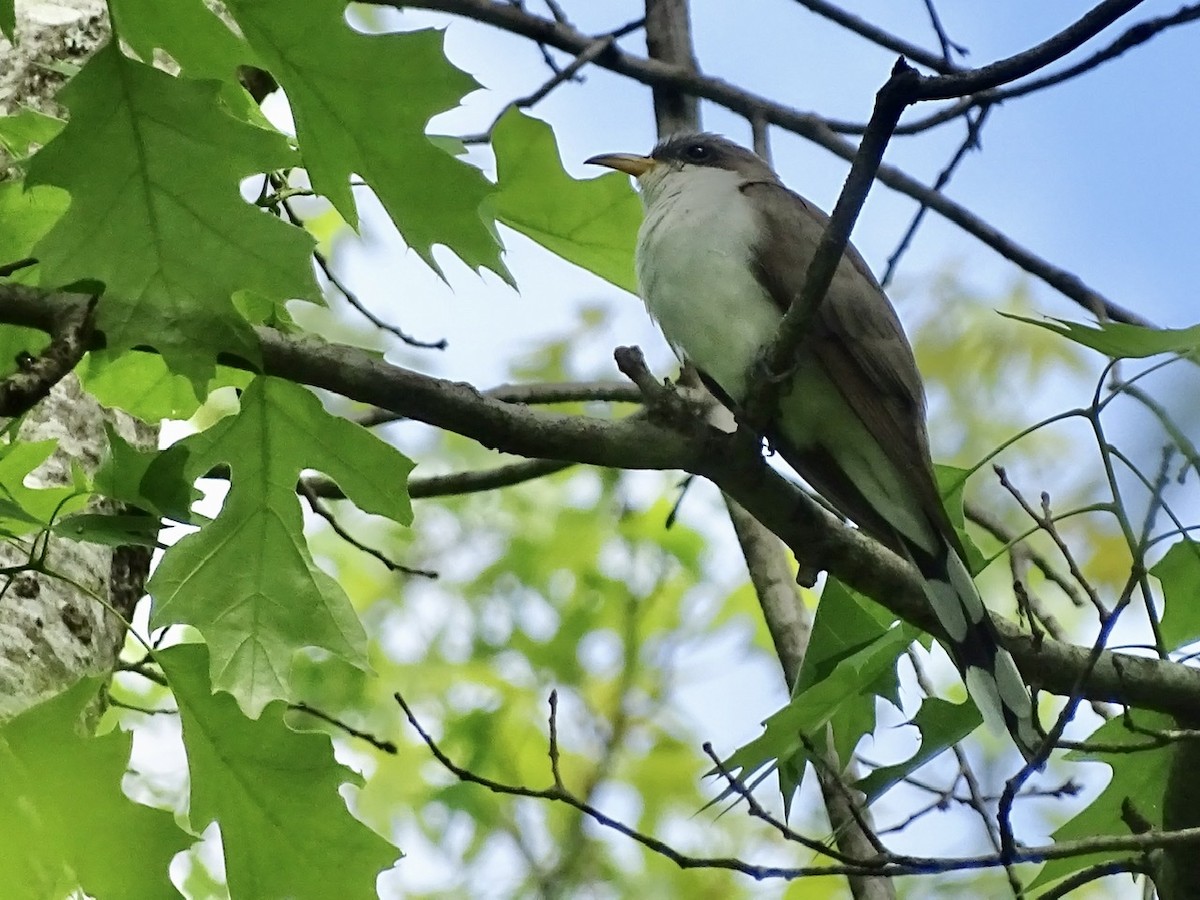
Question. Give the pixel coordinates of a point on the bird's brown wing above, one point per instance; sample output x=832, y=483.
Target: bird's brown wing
x=859, y=343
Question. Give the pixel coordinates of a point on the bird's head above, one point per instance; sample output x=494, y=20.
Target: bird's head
x=683, y=154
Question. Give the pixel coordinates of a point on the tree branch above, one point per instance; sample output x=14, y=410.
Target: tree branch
x=70, y=337
x=644, y=443
x=891, y=864
x=807, y=125
x=877, y=35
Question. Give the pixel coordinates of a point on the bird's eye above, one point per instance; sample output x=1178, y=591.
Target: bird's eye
x=696, y=153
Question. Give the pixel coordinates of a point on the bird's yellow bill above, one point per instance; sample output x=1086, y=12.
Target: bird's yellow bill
x=629, y=163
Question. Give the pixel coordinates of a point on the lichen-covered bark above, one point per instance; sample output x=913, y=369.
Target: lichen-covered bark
x=52, y=633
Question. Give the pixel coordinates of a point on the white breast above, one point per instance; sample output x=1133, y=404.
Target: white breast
x=693, y=270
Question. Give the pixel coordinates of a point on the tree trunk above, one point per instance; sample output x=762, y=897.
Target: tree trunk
x=52, y=633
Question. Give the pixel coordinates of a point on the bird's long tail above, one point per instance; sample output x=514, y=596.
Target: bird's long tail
x=991, y=675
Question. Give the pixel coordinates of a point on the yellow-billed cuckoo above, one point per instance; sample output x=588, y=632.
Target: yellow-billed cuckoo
x=722, y=251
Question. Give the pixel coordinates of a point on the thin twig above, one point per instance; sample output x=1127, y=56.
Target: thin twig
x=535, y=394
x=756, y=809
x=1017, y=546
x=553, y=751
x=888, y=866
x=1132, y=865
x=323, y=511
x=807, y=125
x=377, y=742
x=879, y=36
x=351, y=297
x=969, y=142
x=1045, y=521
x=568, y=73
x=949, y=47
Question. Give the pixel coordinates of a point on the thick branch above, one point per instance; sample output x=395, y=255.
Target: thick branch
x=1004, y=71
x=642, y=443
x=35, y=376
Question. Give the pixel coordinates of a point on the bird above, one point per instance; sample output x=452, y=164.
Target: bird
x=723, y=248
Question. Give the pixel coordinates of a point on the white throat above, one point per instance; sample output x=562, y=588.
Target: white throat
x=694, y=270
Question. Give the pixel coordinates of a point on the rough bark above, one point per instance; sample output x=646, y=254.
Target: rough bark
x=52, y=633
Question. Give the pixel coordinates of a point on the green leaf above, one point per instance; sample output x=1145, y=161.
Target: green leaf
x=1179, y=574
x=130, y=475
x=26, y=216
x=941, y=724
x=812, y=709
x=118, y=530
x=199, y=41
x=64, y=822
x=1121, y=340
x=21, y=130
x=846, y=622
x=592, y=223
x=8, y=19
x=143, y=385
x=361, y=104
x=24, y=509
x=17, y=343
x=951, y=482
x=247, y=580
x=1137, y=778
x=153, y=165
x=285, y=830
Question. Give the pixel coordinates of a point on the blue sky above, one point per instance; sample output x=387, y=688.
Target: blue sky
x=1098, y=176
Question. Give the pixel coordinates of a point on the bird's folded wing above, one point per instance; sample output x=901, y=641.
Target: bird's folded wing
x=857, y=340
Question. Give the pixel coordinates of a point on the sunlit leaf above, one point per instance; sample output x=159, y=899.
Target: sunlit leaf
x=1179, y=573
x=247, y=580
x=285, y=830
x=592, y=223
x=361, y=104
x=1121, y=340
x=153, y=165
x=64, y=821
x=196, y=38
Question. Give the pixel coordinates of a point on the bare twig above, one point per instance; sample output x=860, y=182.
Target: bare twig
x=1012, y=68
x=1045, y=521
x=806, y=125
x=1016, y=546
x=949, y=47
x=970, y=142
x=539, y=393
x=365, y=311
x=342, y=288
x=377, y=742
x=1130, y=866
x=568, y=73
x=887, y=866
x=553, y=751
x=321, y=510
x=877, y=35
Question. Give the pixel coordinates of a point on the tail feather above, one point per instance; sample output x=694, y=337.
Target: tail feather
x=989, y=671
